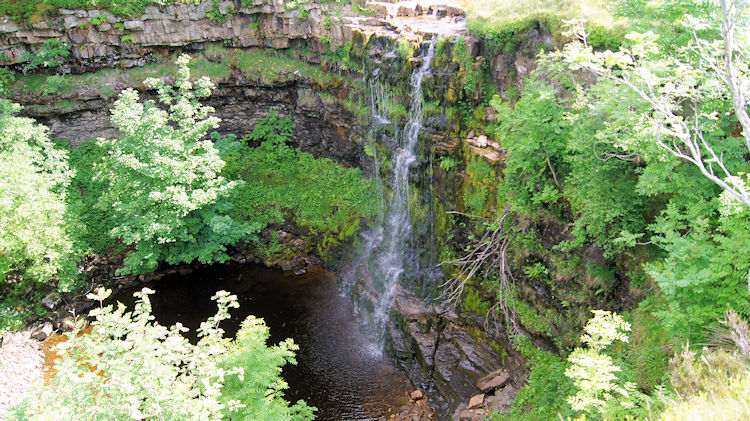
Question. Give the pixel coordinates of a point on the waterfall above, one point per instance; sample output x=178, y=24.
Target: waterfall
x=389, y=243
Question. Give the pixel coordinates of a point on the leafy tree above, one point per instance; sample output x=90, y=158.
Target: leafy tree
x=130, y=367
x=164, y=187
x=702, y=272
x=677, y=86
x=534, y=135
x=34, y=240
x=671, y=122
x=260, y=388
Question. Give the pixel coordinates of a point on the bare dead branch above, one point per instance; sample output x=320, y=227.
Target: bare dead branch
x=487, y=257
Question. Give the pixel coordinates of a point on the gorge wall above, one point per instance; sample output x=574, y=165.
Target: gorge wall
x=447, y=353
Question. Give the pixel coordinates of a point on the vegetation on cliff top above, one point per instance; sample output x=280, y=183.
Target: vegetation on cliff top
x=38, y=10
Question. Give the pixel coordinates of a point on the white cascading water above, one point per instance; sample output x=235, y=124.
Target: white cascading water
x=393, y=237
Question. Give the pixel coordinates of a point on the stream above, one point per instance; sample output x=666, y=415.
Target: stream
x=339, y=370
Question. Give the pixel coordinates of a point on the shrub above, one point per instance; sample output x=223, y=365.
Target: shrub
x=51, y=54
x=163, y=182
x=130, y=367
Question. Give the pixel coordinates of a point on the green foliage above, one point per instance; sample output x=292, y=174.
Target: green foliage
x=92, y=223
x=282, y=183
x=479, y=169
x=666, y=19
x=130, y=367
x=534, y=134
x=215, y=13
x=602, y=185
x=56, y=84
x=543, y=396
x=493, y=18
x=702, y=271
x=18, y=303
x=340, y=57
x=98, y=19
x=260, y=388
x=164, y=187
x=7, y=77
x=34, y=239
x=20, y=10
x=405, y=50
x=475, y=199
x=447, y=162
x=648, y=353
x=50, y=55
x=271, y=66
x=593, y=371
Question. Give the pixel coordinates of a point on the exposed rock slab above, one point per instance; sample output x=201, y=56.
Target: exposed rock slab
x=20, y=367
x=492, y=381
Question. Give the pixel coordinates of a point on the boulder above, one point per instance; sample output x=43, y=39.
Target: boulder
x=503, y=398
x=416, y=395
x=51, y=300
x=472, y=415
x=41, y=333
x=494, y=380
x=476, y=401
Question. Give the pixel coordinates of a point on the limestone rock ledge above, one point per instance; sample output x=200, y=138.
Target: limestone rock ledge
x=126, y=41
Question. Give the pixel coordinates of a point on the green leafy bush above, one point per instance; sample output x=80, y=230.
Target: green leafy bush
x=98, y=19
x=7, y=77
x=52, y=54
x=130, y=367
x=56, y=84
x=163, y=184
x=92, y=224
x=592, y=371
x=282, y=183
x=34, y=239
x=447, y=163
x=534, y=134
x=543, y=397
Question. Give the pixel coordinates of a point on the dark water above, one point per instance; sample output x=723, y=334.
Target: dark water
x=339, y=370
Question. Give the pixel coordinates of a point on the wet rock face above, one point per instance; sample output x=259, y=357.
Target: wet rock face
x=451, y=356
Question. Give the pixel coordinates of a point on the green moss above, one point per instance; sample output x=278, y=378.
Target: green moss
x=263, y=65
x=535, y=320
x=472, y=302
x=479, y=169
